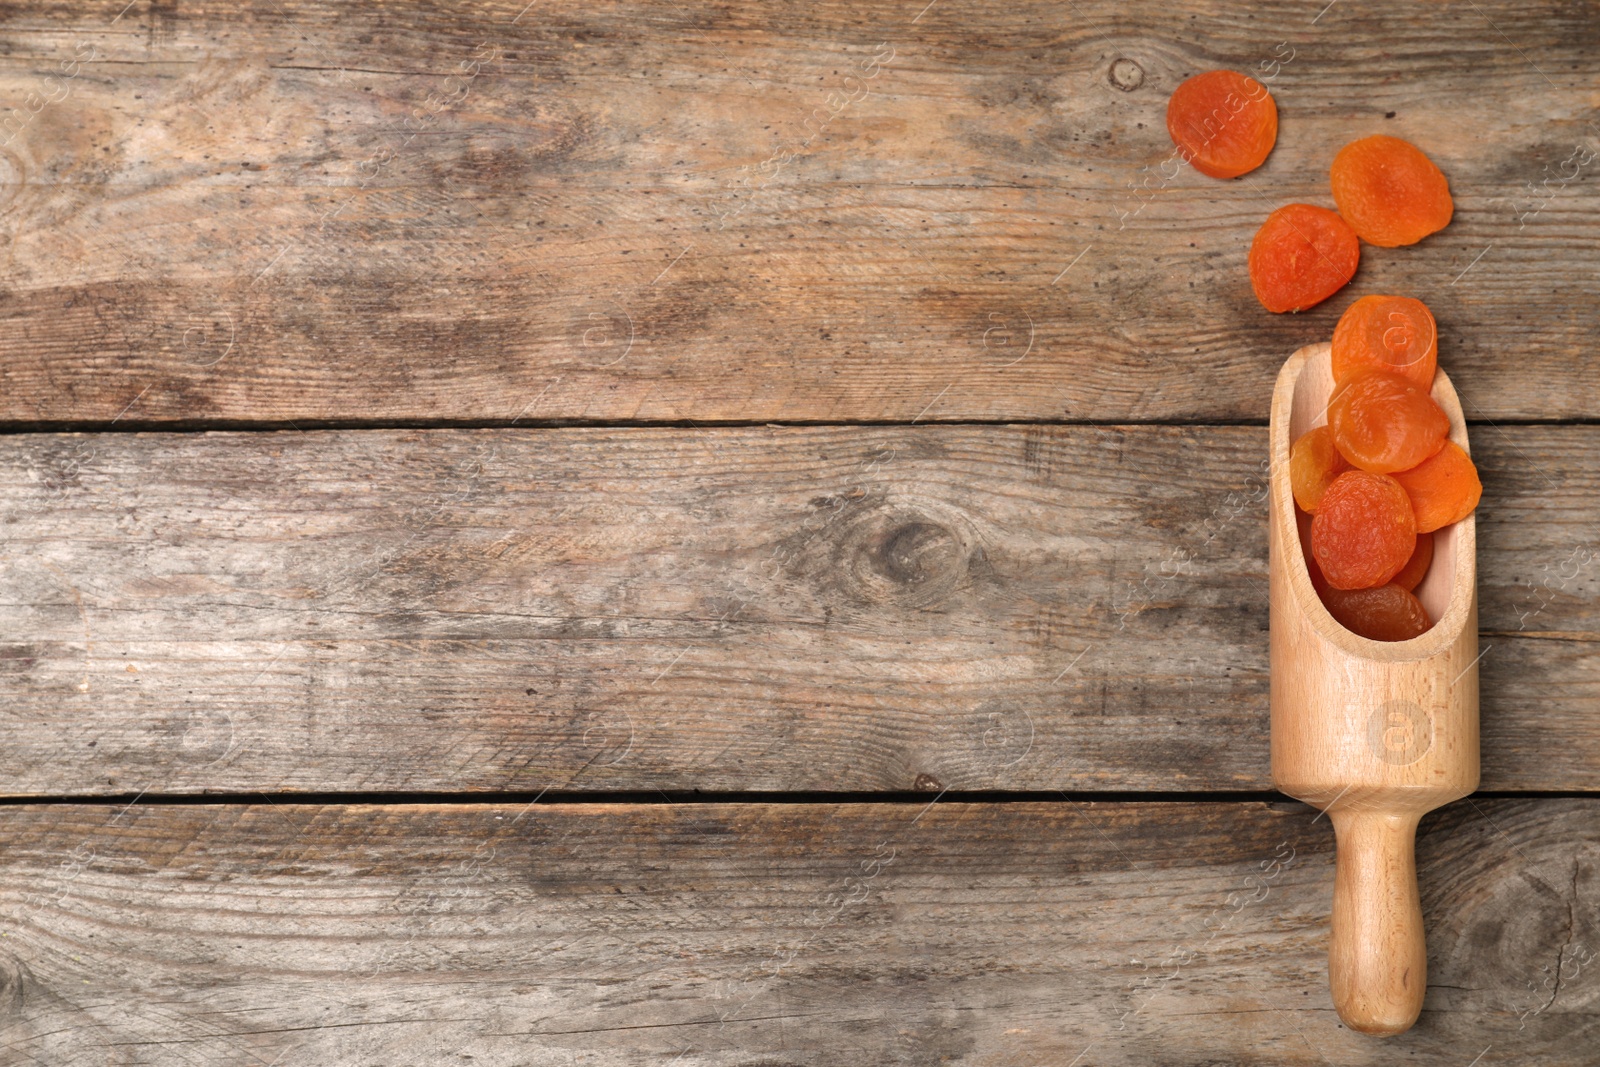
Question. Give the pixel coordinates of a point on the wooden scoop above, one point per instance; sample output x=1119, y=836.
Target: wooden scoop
x=1374, y=733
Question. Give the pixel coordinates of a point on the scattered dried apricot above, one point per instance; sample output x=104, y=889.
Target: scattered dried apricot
x=1301, y=256
x=1443, y=488
x=1416, y=567
x=1392, y=333
x=1385, y=423
x=1390, y=192
x=1314, y=463
x=1384, y=613
x=1223, y=122
x=1364, y=531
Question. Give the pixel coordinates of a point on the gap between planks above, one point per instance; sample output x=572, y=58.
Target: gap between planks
x=131, y=426
x=659, y=797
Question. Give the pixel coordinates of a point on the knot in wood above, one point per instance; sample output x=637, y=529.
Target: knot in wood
x=917, y=553
x=1126, y=74
x=14, y=983
x=908, y=561
x=911, y=556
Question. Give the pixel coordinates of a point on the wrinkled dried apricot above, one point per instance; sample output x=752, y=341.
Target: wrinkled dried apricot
x=1364, y=531
x=1411, y=574
x=1385, y=423
x=1223, y=122
x=1314, y=463
x=1389, y=192
x=1384, y=613
x=1301, y=256
x=1392, y=333
x=1443, y=488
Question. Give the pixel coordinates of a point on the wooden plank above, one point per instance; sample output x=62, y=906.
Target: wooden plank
x=712, y=934
x=865, y=211
x=732, y=609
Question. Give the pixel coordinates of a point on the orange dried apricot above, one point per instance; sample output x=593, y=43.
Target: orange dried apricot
x=1384, y=613
x=1314, y=463
x=1385, y=423
x=1364, y=531
x=1411, y=574
x=1390, y=192
x=1392, y=333
x=1301, y=256
x=1443, y=488
x=1223, y=123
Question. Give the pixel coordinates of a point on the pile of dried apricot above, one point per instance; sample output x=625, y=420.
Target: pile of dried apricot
x=1381, y=475
x=1388, y=192
x=1373, y=484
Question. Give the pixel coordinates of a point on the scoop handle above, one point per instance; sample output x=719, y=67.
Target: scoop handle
x=1378, y=956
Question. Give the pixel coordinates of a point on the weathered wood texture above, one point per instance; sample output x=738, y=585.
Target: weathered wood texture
x=748, y=211
x=1166, y=934
x=737, y=608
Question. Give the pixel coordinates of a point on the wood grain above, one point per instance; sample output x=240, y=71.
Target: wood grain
x=301, y=212
x=1161, y=934
x=740, y=609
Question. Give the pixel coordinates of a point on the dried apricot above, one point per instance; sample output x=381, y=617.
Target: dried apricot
x=1416, y=567
x=1384, y=613
x=1392, y=333
x=1385, y=423
x=1314, y=463
x=1223, y=122
x=1443, y=488
x=1301, y=256
x=1390, y=192
x=1364, y=532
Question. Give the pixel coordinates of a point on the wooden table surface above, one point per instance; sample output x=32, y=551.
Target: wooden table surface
x=709, y=534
